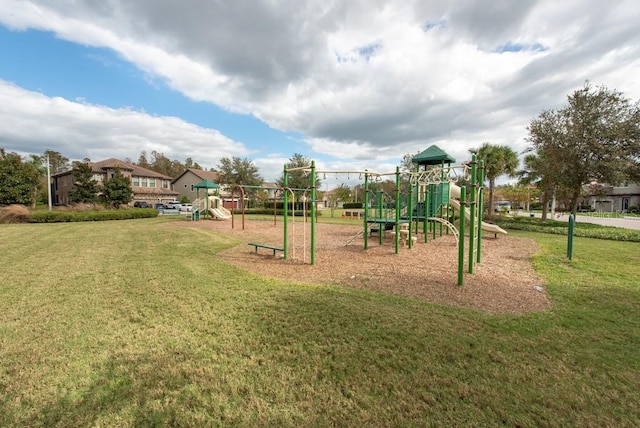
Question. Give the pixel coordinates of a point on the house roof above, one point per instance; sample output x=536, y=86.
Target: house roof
x=433, y=155
x=111, y=163
x=201, y=174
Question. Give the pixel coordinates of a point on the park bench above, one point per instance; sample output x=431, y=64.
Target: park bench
x=269, y=247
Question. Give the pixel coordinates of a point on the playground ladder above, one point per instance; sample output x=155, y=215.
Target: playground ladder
x=199, y=204
x=449, y=225
x=299, y=238
x=356, y=236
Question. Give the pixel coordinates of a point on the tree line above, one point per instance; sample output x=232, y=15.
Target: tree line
x=593, y=139
x=24, y=180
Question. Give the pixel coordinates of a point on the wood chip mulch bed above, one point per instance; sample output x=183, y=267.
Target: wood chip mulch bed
x=503, y=283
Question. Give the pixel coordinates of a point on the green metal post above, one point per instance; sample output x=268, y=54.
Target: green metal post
x=427, y=201
x=441, y=209
x=397, y=220
x=313, y=213
x=285, y=184
x=379, y=215
x=463, y=196
x=480, y=205
x=572, y=223
x=472, y=213
x=410, y=212
x=366, y=210
x=434, y=203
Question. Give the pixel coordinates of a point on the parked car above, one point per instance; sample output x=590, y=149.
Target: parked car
x=172, y=205
x=141, y=204
x=502, y=207
x=159, y=206
x=186, y=207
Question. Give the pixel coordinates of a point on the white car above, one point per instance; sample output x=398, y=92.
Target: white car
x=173, y=205
x=186, y=207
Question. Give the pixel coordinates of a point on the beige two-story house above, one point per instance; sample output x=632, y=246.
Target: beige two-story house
x=185, y=182
x=148, y=186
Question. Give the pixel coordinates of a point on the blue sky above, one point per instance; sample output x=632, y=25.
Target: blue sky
x=38, y=61
x=352, y=85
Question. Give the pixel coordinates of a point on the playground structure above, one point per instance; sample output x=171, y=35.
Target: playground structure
x=210, y=204
x=432, y=201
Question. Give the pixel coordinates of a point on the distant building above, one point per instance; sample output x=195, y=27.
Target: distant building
x=609, y=198
x=183, y=184
x=147, y=185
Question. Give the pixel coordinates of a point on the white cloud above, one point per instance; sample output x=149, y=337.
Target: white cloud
x=362, y=80
x=80, y=130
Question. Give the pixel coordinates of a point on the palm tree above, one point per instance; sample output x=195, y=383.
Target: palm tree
x=537, y=171
x=498, y=160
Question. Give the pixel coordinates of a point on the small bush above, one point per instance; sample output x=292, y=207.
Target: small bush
x=15, y=214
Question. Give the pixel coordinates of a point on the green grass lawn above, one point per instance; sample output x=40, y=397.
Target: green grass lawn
x=132, y=323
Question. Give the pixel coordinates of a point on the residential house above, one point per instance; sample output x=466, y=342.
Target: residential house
x=185, y=182
x=608, y=198
x=272, y=190
x=147, y=185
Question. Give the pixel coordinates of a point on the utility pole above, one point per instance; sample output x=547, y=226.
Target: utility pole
x=49, y=182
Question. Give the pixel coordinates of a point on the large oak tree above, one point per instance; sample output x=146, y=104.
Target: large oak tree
x=594, y=138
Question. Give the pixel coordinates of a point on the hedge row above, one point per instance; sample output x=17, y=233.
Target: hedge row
x=269, y=211
x=352, y=205
x=585, y=230
x=298, y=206
x=73, y=216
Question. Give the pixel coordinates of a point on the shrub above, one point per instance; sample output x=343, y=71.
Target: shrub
x=104, y=215
x=586, y=230
x=298, y=206
x=15, y=214
x=269, y=211
x=352, y=205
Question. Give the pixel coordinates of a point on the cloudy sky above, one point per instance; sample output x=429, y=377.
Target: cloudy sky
x=352, y=84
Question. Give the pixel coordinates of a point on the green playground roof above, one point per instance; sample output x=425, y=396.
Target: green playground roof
x=206, y=184
x=433, y=155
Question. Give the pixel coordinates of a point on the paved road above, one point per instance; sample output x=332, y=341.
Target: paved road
x=603, y=219
x=597, y=218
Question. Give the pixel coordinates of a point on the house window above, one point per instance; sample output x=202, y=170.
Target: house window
x=97, y=177
x=152, y=182
x=136, y=181
x=192, y=187
x=144, y=182
x=165, y=184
